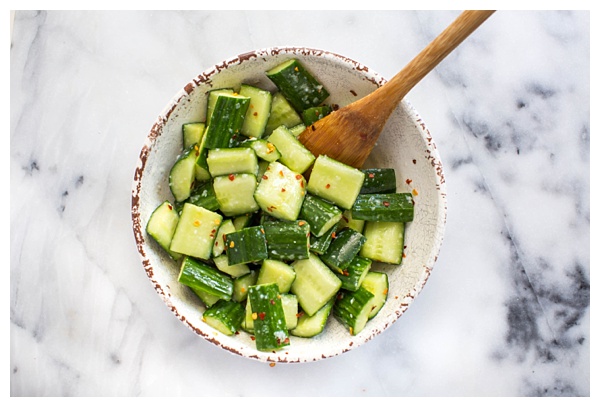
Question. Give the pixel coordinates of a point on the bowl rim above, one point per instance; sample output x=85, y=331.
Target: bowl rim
x=205, y=77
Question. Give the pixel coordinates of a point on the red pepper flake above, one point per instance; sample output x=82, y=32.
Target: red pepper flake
x=262, y=231
x=232, y=244
x=282, y=189
x=327, y=186
x=345, y=219
x=408, y=181
x=385, y=291
x=301, y=223
x=371, y=175
x=333, y=235
x=261, y=315
x=272, y=364
x=217, y=243
x=231, y=177
x=170, y=207
x=414, y=192
x=353, y=92
x=298, y=315
x=302, y=184
x=272, y=301
x=255, y=113
x=286, y=340
x=298, y=176
x=386, y=203
x=345, y=273
x=252, y=337
x=414, y=161
x=224, y=238
x=403, y=255
x=281, y=173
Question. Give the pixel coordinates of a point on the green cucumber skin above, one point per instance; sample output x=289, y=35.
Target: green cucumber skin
x=182, y=176
x=354, y=274
x=229, y=313
x=161, y=226
x=313, y=114
x=203, y=195
x=202, y=277
x=396, y=207
x=319, y=245
x=344, y=247
x=298, y=86
x=287, y=241
x=351, y=310
x=220, y=132
x=270, y=327
x=242, y=284
x=378, y=284
x=282, y=113
x=311, y=326
x=247, y=245
x=379, y=181
x=320, y=214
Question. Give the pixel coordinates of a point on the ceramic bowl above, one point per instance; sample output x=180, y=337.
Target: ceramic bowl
x=405, y=145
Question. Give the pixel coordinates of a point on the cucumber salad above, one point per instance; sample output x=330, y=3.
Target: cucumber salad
x=270, y=250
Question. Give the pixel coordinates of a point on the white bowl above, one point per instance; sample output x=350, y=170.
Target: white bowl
x=405, y=145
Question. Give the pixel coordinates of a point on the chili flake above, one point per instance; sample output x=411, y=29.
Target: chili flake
x=386, y=203
x=327, y=186
x=170, y=207
x=232, y=244
x=414, y=192
x=231, y=177
x=262, y=315
x=272, y=364
x=281, y=173
x=265, y=177
x=408, y=181
x=301, y=223
x=333, y=235
x=272, y=302
x=255, y=113
x=282, y=189
x=371, y=175
x=298, y=176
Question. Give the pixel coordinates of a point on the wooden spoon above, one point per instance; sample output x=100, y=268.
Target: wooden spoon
x=349, y=134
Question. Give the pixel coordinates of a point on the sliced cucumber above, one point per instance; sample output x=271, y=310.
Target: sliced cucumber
x=212, y=100
x=242, y=284
x=270, y=327
x=293, y=153
x=204, y=195
x=287, y=241
x=282, y=114
x=219, y=245
x=352, y=309
x=311, y=326
x=378, y=285
x=246, y=246
x=263, y=149
x=196, y=231
x=278, y=272
x=258, y=112
x=346, y=244
x=161, y=227
x=235, y=193
x=315, y=284
x=226, y=120
x=225, y=161
x=280, y=192
x=192, y=133
x=290, y=313
x=320, y=214
x=353, y=276
x=379, y=181
x=297, y=129
x=225, y=316
x=348, y=221
x=395, y=207
x=182, y=176
x=335, y=181
x=204, y=278
x=236, y=270
x=385, y=242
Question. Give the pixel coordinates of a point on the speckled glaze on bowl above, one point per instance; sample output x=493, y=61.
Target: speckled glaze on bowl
x=405, y=145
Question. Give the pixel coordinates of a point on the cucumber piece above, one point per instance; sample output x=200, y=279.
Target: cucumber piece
x=204, y=278
x=263, y=149
x=236, y=270
x=201, y=167
x=320, y=214
x=182, y=176
x=280, y=192
x=195, y=232
x=203, y=195
x=208, y=299
x=378, y=285
x=297, y=129
x=226, y=120
x=235, y=193
x=225, y=316
x=192, y=133
x=298, y=86
x=396, y=207
x=287, y=241
x=353, y=276
x=241, y=285
x=212, y=100
x=242, y=221
x=258, y=112
x=348, y=221
x=310, y=326
x=319, y=245
x=293, y=153
x=344, y=247
x=161, y=227
x=225, y=161
x=246, y=246
x=379, y=181
x=352, y=309
x=290, y=313
x=219, y=245
x=262, y=167
x=270, y=327
x=282, y=114
x=385, y=242
x=312, y=114
x=315, y=283
x=278, y=272
x=335, y=181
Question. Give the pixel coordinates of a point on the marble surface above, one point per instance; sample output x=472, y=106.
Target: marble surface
x=506, y=311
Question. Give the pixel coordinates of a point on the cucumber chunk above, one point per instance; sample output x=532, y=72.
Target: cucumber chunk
x=192, y=133
x=335, y=181
x=246, y=246
x=385, y=242
x=293, y=153
x=280, y=192
x=204, y=278
x=346, y=244
x=278, y=272
x=258, y=112
x=225, y=316
x=225, y=161
x=310, y=326
x=270, y=327
x=395, y=207
x=352, y=309
x=282, y=114
x=235, y=193
x=182, y=176
x=161, y=227
x=315, y=284
x=377, y=284
x=196, y=231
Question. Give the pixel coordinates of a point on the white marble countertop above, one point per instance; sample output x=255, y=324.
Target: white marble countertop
x=506, y=311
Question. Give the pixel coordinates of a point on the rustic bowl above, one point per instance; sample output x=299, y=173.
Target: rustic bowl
x=405, y=145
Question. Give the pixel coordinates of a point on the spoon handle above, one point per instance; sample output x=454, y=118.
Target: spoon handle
x=395, y=90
